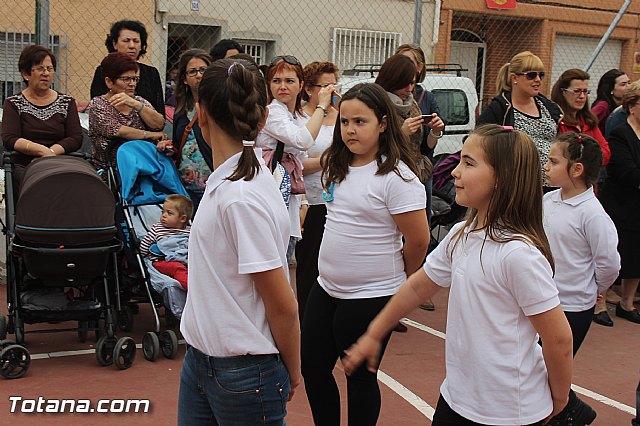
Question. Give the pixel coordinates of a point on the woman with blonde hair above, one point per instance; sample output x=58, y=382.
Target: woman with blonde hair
x=520, y=104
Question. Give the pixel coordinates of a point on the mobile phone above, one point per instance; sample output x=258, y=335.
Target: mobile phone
x=335, y=99
x=426, y=118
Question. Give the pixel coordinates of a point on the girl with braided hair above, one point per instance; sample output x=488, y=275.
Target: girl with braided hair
x=240, y=320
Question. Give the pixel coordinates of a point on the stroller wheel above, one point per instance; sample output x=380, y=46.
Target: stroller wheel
x=150, y=346
x=3, y=327
x=82, y=331
x=6, y=342
x=125, y=318
x=169, y=344
x=104, y=350
x=14, y=361
x=124, y=353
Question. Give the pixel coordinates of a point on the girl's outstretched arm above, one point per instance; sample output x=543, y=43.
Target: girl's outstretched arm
x=413, y=292
x=557, y=349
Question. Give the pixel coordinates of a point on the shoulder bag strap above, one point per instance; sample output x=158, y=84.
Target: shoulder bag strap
x=185, y=135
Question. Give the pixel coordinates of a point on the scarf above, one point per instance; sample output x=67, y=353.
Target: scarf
x=402, y=107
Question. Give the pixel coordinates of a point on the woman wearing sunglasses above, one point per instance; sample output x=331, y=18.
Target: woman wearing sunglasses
x=194, y=155
x=288, y=123
x=520, y=104
x=120, y=114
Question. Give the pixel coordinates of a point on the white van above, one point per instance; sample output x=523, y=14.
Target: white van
x=456, y=97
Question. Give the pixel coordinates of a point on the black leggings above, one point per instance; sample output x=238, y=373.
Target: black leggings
x=579, y=323
x=329, y=327
x=307, y=253
x=445, y=416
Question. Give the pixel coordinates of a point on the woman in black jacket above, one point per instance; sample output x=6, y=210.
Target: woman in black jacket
x=520, y=104
x=194, y=157
x=130, y=37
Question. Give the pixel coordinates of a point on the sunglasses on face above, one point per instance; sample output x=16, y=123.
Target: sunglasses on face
x=531, y=75
x=578, y=91
x=192, y=72
x=292, y=60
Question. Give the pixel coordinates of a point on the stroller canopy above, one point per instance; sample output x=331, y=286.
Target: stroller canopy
x=147, y=176
x=63, y=201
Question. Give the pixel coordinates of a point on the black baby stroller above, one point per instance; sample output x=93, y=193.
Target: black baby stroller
x=446, y=211
x=143, y=178
x=60, y=245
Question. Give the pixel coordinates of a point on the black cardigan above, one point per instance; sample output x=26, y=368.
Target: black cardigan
x=149, y=86
x=500, y=110
x=621, y=197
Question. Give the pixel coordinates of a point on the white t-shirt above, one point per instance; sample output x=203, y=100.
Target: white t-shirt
x=361, y=250
x=584, y=243
x=312, y=182
x=495, y=370
x=283, y=126
x=241, y=227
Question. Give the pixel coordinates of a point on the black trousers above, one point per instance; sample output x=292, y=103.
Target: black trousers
x=307, y=252
x=445, y=416
x=579, y=323
x=329, y=327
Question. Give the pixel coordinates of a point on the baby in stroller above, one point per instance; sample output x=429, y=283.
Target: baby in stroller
x=167, y=242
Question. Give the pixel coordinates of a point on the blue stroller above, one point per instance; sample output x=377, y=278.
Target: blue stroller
x=141, y=181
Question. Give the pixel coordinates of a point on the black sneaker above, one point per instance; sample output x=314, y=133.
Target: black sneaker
x=576, y=413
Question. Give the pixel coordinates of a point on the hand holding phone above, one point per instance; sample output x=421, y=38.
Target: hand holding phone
x=335, y=99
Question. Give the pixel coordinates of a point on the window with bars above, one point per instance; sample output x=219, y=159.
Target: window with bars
x=353, y=47
x=256, y=48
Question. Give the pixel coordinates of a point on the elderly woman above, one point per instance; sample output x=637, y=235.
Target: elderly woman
x=39, y=122
x=621, y=198
x=130, y=37
x=194, y=161
x=120, y=113
x=520, y=104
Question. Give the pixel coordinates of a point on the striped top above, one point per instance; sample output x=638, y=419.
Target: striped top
x=157, y=232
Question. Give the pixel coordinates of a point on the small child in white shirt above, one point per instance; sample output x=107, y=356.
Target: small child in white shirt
x=176, y=212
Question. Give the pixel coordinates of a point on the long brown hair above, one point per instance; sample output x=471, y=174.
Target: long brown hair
x=392, y=144
x=184, y=98
x=234, y=95
x=515, y=207
x=564, y=81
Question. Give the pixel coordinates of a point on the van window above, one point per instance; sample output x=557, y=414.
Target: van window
x=453, y=105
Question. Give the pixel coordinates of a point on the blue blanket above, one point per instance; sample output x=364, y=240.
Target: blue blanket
x=146, y=174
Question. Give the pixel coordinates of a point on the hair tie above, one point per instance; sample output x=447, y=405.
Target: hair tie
x=231, y=67
x=248, y=143
x=579, y=138
x=507, y=127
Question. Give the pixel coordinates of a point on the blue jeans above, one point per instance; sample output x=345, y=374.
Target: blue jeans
x=238, y=390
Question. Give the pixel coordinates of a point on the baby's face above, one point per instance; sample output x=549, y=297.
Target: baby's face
x=171, y=218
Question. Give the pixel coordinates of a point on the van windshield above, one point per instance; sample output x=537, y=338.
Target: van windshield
x=453, y=105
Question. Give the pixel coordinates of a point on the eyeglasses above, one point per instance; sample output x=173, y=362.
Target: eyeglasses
x=578, y=91
x=192, y=72
x=287, y=58
x=129, y=80
x=531, y=75
x=42, y=68
x=325, y=85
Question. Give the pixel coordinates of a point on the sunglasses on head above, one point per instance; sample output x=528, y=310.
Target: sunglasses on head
x=531, y=75
x=292, y=60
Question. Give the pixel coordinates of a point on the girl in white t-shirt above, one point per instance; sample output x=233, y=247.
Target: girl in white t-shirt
x=240, y=320
x=581, y=234
x=497, y=266
x=374, y=199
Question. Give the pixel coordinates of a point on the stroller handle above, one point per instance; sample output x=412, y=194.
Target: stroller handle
x=6, y=155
